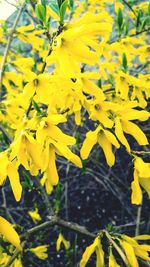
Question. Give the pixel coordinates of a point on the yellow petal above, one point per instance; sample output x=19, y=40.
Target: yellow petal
x=61, y=240
x=9, y=233
x=107, y=149
x=89, y=142
x=135, y=131
x=68, y=154
x=99, y=254
x=142, y=237
x=142, y=254
x=87, y=254
x=112, y=261
x=120, y=135
x=52, y=174
x=136, y=197
x=142, y=167
x=112, y=139
x=142, y=115
x=145, y=183
x=129, y=251
x=14, y=181
x=40, y=252
x=58, y=135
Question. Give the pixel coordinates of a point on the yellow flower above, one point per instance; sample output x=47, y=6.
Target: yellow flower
x=105, y=139
x=40, y=252
x=35, y=215
x=17, y=263
x=124, y=115
x=9, y=233
x=97, y=248
x=35, y=86
x=62, y=240
x=112, y=261
x=9, y=168
x=4, y=258
x=26, y=149
x=72, y=46
x=133, y=249
x=129, y=251
x=99, y=110
x=141, y=178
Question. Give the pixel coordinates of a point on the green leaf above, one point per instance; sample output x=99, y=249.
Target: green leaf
x=48, y=23
x=149, y=9
x=41, y=12
x=43, y=2
x=119, y=18
x=63, y=10
x=124, y=62
x=71, y=4
x=144, y=23
x=37, y=108
x=138, y=18
x=55, y=8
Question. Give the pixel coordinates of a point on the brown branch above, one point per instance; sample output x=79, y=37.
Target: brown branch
x=4, y=60
x=53, y=220
x=131, y=35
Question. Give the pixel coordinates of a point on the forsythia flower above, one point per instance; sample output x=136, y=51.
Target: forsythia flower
x=133, y=249
x=105, y=139
x=35, y=215
x=40, y=252
x=62, y=240
x=72, y=45
x=9, y=168
x=112, y=261
x=141, y=177
x=9, y=233
x=97, y=248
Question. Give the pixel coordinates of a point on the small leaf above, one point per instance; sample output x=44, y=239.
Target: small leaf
x=124, y=62
x=138, y=18
x=40, y=12
x=48, y=23
x=37, y=108
x=119, y=18
x=149, y=9
x=71, y=4
x=43, y=2
x=55, y=8
x=63, y=10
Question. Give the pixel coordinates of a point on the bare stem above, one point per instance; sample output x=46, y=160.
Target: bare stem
x=119, y=250
x=138, y=219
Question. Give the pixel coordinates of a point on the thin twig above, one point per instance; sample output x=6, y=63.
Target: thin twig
x=53, y=220
x=138, y=219
x=130, y=7
x=15, y=255
x=119, y=250
x=4, y=60
x=131, y=35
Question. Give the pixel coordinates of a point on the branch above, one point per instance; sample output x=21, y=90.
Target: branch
x=130, y=7
x=8, y=46
x=119, y=250
x=53, y=220
x=131, y=35
x=138, y=219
